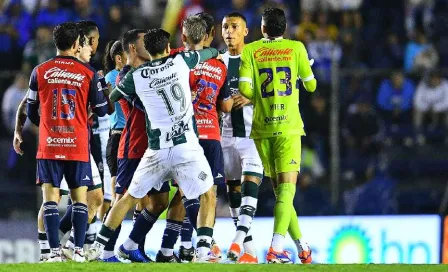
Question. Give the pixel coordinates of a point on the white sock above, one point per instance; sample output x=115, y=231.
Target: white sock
x=187, y=245
x=92, y=229
x=107, y=254
x=249, y=247
x=298, y=246
x=130, y=245
x=278, y=241
x=167, y=251
x=70, y=240
x=202, y=251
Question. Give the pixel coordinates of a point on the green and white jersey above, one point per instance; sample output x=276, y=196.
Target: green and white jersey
x=163, y=87
x=237, y=123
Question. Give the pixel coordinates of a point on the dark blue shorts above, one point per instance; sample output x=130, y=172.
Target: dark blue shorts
x=125, y=173
x=215, y=158
x=76, y=173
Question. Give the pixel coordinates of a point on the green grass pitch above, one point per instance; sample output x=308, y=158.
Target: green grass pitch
x=70, y=266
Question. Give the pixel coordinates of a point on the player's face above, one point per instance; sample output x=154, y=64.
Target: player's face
x=94, y=39
x=85, y=53
x=233, y=31
x=140, y=48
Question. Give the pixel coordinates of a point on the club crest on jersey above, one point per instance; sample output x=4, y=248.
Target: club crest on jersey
x=177, y=130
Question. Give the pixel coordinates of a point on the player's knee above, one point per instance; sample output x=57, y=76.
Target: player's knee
x=95, y=198
x=158, y=203
x=209, y=197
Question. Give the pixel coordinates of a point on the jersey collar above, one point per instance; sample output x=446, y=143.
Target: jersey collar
x=273, y=38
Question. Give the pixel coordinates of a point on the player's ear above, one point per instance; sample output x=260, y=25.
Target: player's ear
x=246, y=32
x=168, y=48
x=184, y=38
x=118, y=59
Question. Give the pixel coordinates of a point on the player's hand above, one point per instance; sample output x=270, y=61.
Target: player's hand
x=219, y=57
x=107, y=90
x=194, y=94
x=239, y=101
x=100, y=73
x=17, y=141
x=311, y=62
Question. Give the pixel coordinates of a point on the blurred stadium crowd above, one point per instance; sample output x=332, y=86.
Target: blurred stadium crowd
x=388, y=60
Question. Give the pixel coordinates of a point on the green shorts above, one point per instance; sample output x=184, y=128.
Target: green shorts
x=280, y=154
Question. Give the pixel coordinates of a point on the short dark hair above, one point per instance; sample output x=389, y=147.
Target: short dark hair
x=195, y=28
x=274, y=21
x=87, y=26
x=208, y=19
x=131, y=36
x=236, y=14
x=156, y=40
x=65, y=35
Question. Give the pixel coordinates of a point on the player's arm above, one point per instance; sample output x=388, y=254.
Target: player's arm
x=245, y=84
x=99, y=102
x=225, y=100
x=32, y=107
x=305, y=72
x=20, y=123
x=193, y=58
x=124, y=89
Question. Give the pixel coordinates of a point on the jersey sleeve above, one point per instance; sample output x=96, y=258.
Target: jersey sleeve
x=32, y=107
x=224, y=93
x=97, y=99
x=193, y=58
x=305, y=72
x=125, y=88
x=245, y=84
x=111, y=79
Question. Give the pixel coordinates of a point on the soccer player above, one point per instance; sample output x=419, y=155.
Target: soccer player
x=243, y=167
x=174, y=151
x=206, y=82
x=269, y=76
x=61, y=89
x=89, y=29
x=132, y=146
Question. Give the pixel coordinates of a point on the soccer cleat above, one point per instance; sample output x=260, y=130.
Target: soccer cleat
x=187, y=255
x=209, y=258
x=216, y=250
x=78, y=255
x=145, y=256
x=94, y=251
x=131, y=255
x=160, y=258
x=67, y=253
x=248, y=259
x=112, y=259
x=55, y=257
x=278, y=257
x=234, y=252
x=305, y=255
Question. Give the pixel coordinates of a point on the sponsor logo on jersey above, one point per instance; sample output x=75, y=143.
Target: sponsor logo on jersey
x=67, y=141
x=272, y=119
x=57, y=72
x=63, y=129
x=177, y=130
x=208, y=70
x=64, y=62
x=265, y=54
x=204, y=121
x=152, y=71
x=161, y=82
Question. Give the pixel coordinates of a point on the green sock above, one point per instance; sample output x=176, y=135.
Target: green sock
x=294, y=228
x=283, y=207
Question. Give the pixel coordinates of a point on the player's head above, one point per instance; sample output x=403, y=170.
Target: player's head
x=90, y=30
x=157, y=42
x=273, y=22
x=133, y=44
x=114, y=56
x=85, y=50
x=234, y=29
x=210, y=27
x=194, y=31
x=66, y=37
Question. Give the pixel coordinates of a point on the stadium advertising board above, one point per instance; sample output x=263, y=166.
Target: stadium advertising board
x=338, y=239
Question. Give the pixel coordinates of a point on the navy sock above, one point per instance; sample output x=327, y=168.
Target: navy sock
x=187, y=230
x=171, y=233
x=66, y=221
x=135, y=215
x=110, y=246
x=192, y=210
x=142, y=226
x=79, y=221
x=51, y=221
x=141, y=244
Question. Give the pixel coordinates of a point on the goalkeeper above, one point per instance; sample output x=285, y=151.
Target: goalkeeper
x=269, y=76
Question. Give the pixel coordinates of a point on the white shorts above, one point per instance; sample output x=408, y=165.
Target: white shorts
x=64, y=190
x=240, y=158
x=107, y=182
x=185, y=163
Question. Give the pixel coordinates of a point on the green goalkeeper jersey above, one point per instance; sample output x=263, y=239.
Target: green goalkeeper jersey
x=273, y=68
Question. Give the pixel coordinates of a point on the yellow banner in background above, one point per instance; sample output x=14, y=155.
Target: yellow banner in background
x=170, y=19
